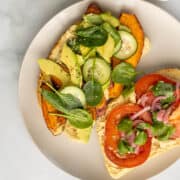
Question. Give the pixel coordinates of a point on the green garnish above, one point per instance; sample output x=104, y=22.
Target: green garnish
x=166, y=102
x=93, y=92
x=124, y=73
x=162, y=131
x=124, y=147
x=140, y=138
x=125, y=125
x=79, y=118
x=143, y=126
x=163, y=89
x=92, y=36
x=68, y=101
x=74, y=45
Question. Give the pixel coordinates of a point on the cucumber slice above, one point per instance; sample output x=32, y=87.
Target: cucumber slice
x=117, y=47
x=102, y=70
x=76, y=92
x=129, y=45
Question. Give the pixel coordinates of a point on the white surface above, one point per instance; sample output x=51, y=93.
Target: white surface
x=19, y=157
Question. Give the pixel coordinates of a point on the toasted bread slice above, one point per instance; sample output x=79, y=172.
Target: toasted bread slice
x=158, y=147
x=55, y=56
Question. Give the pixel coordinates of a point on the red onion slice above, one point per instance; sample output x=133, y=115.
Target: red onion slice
x=167, y=114
x=160, y=115
x=136, y=122
x=133, y=117
x=142, y=100
x=155, y=102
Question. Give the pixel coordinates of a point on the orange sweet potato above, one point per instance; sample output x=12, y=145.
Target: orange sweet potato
x=93, y=8
x=131, y=21
x=115, y=90
x=55, y=124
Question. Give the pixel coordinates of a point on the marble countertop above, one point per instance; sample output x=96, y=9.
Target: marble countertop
x=20, y=21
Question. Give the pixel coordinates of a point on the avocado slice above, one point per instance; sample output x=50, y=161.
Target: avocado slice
x=69, y=58
x=107, y=17
x=51, y=68
x=107, y=50
x=81, y=135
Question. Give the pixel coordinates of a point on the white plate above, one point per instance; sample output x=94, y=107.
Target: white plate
x=86, y=161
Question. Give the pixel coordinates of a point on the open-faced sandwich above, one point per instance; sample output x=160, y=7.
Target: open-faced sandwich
x=141, y=123
x=84, y=71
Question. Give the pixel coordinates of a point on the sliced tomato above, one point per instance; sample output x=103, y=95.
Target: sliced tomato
x=143, y=84
x=113, y=135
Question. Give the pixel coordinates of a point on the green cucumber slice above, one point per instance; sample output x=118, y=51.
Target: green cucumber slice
x=129, y=45
x=102, y=70
x=76, y=92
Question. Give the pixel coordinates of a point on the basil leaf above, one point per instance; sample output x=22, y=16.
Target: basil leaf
x=125, y=125
x=124, y=73
x=124, y=147
x=70, y=101
x=93, y=19
x=80, y=118
x=93, y=92
x=166, y=102
x=167, y=134
x=140, y=138
x=92, y=36
x=163, y=89
x=74, y=45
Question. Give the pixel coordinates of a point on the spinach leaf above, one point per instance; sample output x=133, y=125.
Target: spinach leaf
x=68, y=100
x=163, y=89
x=124, y=73
x=143, y=126
x=125, y=125
x=79, y=118
x=93, y=92
x=92, y=36
x=74, y=45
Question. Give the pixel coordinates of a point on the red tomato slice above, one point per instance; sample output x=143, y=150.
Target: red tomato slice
x=112, y=137
x=143, y=84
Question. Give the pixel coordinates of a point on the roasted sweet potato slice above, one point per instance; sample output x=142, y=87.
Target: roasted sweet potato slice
x=115, y=90
x=131, y=21
x=55, y=124
x=93, y=8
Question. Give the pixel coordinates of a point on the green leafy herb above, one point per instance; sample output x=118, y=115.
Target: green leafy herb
x=68, y=100
x=74, y=45
x=163, y=89
x=92, y=36
x=93, y=19
x=125, y=125
x=124, y=73
x=140, y=138
x=154, y=116
x=142, y=126
x=166, y=102
x=124, y=147
x=79, y=118
x=162, y=131
x=128, y=90
x=93, y=92
x=112, y=31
